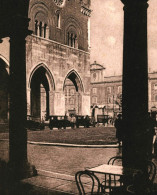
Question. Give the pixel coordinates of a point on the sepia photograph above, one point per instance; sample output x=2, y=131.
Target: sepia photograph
x=78, y=97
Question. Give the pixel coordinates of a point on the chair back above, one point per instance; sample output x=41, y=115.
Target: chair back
x=113, y=181
x=87, y=183
x=116, y=160
x=147, y=187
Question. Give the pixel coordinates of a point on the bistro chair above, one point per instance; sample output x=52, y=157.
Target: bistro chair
x=112, y=182
x=149, y=184
x=116, y=160
x=87, y=183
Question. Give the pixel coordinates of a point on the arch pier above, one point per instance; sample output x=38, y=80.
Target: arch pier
x=14, y=24
x=135, y=84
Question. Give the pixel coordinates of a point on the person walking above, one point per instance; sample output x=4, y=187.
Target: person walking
x=151, y=135
x=73, y=121
x=118, y=126
x=87, y=121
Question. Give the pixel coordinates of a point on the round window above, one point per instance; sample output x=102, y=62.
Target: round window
x=59, y=2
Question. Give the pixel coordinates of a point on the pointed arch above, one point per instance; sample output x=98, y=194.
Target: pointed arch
x=4, y=90
x=41, y=86
x=6, y=62
x=48, y=74
x=73, y=89
x=76, y=79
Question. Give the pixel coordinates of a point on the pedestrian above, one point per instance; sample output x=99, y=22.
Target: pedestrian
x=73, y=121
x=151, y=135
x=119, y=128
x=87, y=121
x=92, y=121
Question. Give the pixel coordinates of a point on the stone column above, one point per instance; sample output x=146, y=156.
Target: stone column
x=135, y=83
x=149, y=95
x=47, y=32
x=76, y=42
x=28, y=101
x=70, y=39
x=51, y=103
x=38, y=29
x=85, y=104
x=42, y=30
x=43, y=102
x=18, y=106
x=59, y=103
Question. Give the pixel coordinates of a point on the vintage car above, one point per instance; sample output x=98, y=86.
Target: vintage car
x=59, y=122
x=34, y=124
x=85, y=121
x=102, y=119
x=63, y=121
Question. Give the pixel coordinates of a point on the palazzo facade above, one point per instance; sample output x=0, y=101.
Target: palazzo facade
x=106, y=92
x=57, y=53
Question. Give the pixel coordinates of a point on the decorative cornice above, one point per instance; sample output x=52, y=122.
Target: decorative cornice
x=135, y=3
x=15, y=25
x=97, y=66
x=86, y=11
x=57, y=43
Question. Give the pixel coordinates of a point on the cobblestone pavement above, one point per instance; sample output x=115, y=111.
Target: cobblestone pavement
x=93, y=135
x=57, y=165
x=65, y=161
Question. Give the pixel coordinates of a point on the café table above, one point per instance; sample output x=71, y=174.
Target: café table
x=113, y=174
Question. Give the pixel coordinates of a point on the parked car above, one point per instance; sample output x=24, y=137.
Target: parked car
x=59, y=122
x=34, y=124
x=102, y=119
x=85, y=121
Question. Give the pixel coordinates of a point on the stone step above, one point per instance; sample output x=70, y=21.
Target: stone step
x=49, y=183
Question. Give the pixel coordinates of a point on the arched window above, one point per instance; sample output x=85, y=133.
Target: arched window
x=109, y=100
x=72, y=92
x=73, y=32
x=109, y=90
x=41, y=28
x=72, y=39
x=94, y=75
x=94, y=90
x=94, y=100
x=71, y=101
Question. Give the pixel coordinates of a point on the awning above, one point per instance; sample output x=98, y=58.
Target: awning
x=98, y=106
x=154, y=109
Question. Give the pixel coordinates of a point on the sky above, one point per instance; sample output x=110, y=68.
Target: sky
x=107, y=35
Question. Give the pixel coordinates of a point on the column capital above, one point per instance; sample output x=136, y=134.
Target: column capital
x=15, y=25
x=134, y=2
x=20, y=26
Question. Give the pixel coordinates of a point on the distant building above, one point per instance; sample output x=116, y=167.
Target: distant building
x=106, y=92
x=152, y=86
